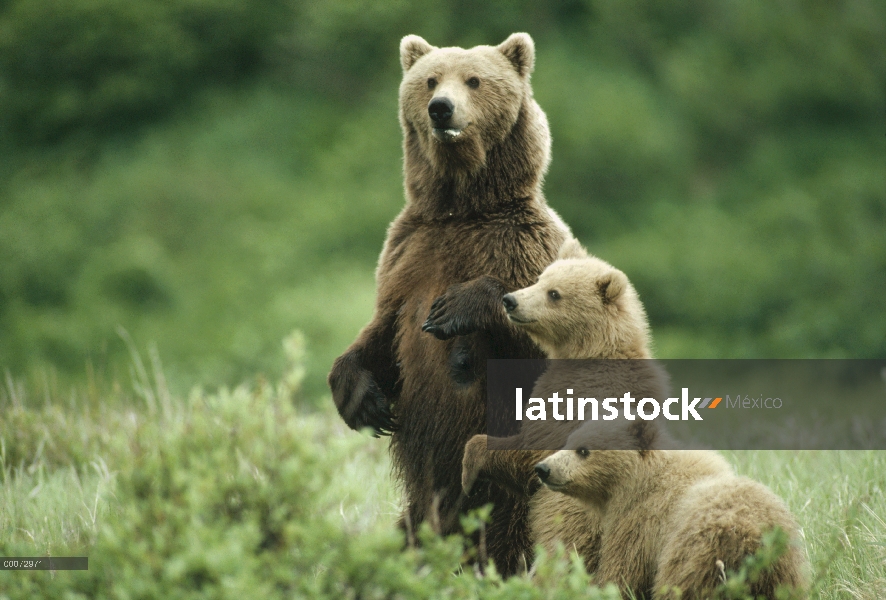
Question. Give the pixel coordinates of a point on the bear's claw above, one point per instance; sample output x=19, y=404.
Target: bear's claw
x=375, y=412
x=359, y=400
x=444, y=325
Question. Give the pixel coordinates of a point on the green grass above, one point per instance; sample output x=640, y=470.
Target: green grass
x=252, y=489
x=53, y=511
x=838, y=500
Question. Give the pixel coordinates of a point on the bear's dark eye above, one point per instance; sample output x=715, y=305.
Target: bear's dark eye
x=583, y=452
x=432, y=82
x=473, y=83
x=554, y=295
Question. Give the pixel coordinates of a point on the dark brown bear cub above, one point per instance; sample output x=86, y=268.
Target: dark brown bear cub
x=476, y=146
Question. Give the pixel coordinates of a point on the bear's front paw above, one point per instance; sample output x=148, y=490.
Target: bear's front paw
x=358, y=398
x=452, y=314
x=473, y=462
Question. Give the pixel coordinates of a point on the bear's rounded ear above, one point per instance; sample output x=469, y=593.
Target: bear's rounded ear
x=412, y=48
x=612, y=284
x=645, y=434
x=571, y=248
x=520, y=50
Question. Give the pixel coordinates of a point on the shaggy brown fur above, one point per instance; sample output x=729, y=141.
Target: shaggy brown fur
x=669, y=516
x=597, y=315
x=474, y=208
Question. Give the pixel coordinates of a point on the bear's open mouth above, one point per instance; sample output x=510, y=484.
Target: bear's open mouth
x=447, y=134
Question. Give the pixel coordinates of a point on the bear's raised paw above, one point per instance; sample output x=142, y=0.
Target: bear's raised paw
x=473, y=462
x=465, y=308
x=359, y=400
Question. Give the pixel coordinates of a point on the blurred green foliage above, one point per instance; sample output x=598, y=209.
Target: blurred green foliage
x=100, y=63
x=211, y=173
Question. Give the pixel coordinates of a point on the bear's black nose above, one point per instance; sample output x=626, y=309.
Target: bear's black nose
x=543, y=471
x=440, y=110
x=509, y=301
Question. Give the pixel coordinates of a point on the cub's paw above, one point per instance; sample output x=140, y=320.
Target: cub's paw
x=473, y=462
x=454, y=313
x=358, y=398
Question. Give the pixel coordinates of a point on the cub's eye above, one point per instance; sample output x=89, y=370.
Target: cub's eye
x=432, y=82
x=583, y=452
x=473, y=83
x=554, y=295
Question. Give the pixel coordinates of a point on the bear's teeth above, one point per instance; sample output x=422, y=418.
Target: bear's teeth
x=446, y=135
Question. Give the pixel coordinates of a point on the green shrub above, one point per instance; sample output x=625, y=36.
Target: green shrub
x=233, y=495
x=737, y=585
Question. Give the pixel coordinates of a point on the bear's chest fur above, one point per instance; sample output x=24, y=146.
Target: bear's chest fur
x=425, y=257
x=422, y=258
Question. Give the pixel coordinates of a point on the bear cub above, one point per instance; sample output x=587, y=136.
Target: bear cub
x=674, y=523
x=580, y=308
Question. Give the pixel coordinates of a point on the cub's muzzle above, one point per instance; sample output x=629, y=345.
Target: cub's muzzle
x=509, y=301
x=543, y=471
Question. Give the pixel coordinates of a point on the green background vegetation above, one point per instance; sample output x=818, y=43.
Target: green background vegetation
x=192, y=180
x=210, y=175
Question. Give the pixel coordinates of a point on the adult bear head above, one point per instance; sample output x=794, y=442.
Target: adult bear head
x=470, y=124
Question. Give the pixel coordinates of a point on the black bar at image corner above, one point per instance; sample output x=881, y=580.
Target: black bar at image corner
x=44, y=563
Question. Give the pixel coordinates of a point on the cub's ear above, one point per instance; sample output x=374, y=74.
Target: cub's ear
x=645, y=434
x=412, y=48
x=571, y=248
x=520, y=50
x=612, y=285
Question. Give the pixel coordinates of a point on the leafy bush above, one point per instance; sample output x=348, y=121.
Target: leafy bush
x=737, y=585
x=233, y=495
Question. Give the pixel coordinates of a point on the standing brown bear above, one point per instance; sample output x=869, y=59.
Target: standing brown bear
x=476, y=146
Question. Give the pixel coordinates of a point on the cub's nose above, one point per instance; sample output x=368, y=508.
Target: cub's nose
x=440, y=110
x=543, y=471
x=509, y=301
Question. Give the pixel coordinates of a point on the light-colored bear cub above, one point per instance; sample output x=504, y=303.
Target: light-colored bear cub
x=671, y=519
x=581, y=308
